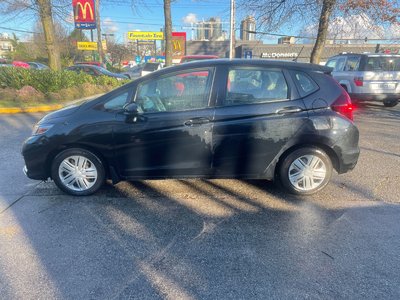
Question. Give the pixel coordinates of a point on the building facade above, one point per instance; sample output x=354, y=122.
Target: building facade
x=299, y=52
x=248, y=24
x=210, y=30
x=6, y=47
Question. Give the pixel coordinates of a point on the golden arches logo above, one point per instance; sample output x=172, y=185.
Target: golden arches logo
x=177, y=45
x=84, y=9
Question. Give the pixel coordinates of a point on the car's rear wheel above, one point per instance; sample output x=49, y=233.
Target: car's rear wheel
x=78, y=172
x=390, y=103
x=305, y=171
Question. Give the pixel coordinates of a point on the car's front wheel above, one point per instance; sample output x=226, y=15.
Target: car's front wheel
x=305, y=171
x=390, y=103
x=78, y=172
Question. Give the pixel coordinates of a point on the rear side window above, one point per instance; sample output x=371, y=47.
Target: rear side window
x=305, y=84
x=246, y=86
x=382, y=63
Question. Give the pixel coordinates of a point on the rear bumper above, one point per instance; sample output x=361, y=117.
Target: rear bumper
x=348, y=161
x=374, y=97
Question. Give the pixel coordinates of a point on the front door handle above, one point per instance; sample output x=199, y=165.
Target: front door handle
x=289, y=110
x=196, y=121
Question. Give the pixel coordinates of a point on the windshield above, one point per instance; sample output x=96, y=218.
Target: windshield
x=383, y=63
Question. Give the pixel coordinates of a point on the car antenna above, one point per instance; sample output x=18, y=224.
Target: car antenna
x=298, y=54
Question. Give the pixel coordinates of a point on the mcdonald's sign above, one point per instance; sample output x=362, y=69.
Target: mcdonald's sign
x=84, y=14
x=178, y=45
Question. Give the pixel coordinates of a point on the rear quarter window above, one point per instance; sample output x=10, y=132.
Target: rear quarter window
x=382, y=63
x=305, y=84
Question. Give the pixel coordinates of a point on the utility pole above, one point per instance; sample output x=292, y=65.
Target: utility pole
x=99, y=43
x=232, y=31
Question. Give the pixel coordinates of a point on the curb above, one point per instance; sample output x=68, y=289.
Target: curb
x=43, y=108
x=17, y=110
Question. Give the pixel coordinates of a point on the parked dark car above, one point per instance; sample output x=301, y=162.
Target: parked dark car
x=95, y=71
x=261, y=119
x=133, y=72
x=37, y=65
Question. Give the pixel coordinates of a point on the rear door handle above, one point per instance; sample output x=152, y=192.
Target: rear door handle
x=289, y=110
x=196, y=121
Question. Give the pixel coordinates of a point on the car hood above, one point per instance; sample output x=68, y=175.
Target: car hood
x=61, y=113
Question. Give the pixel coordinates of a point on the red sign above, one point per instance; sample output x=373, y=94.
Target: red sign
x=84, y=14
x=178, y=44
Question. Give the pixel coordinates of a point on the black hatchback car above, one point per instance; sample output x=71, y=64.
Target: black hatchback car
x=261, y=119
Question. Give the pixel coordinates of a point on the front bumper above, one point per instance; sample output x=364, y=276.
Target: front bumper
x=35, y=151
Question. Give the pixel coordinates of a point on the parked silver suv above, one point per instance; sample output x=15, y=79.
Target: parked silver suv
x=368, y=77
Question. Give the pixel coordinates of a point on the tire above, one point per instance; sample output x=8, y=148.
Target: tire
x=305, y=171
x=78, y=172
x=390, y=103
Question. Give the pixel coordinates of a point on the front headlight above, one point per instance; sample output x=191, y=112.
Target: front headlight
x=39, y=129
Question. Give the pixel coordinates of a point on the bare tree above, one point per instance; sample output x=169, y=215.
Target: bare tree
x=44, y=10
x=273, y=14
x=326, y=11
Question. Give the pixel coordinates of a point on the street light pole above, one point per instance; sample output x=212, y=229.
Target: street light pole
x=232, y=30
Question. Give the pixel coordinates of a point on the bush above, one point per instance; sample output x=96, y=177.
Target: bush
x=29, y=94
x=27, y=87
x=48, y=81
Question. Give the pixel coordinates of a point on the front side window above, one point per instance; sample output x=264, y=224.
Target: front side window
x=247, y=86
x=352, y=63
x=336, y=63
x=340, y=64
x=180, y=91
x=117, y=102
x=332, y=63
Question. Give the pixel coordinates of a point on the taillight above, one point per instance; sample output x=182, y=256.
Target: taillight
x=359, y=81
x=343, y=105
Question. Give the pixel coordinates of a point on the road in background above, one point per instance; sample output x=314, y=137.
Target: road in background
x=205, y=239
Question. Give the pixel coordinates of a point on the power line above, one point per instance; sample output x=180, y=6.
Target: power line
x=314, y=38
x=18, y=30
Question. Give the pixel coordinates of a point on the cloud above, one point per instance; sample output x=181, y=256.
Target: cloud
x=351, y=27
x=190, y=18
x=109, y=25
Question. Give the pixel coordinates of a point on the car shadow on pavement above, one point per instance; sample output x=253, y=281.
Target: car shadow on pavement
x=191, y=239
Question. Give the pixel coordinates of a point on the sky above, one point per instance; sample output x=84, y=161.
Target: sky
x=118, y=17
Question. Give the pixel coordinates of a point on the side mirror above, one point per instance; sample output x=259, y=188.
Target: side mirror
x=131, y=109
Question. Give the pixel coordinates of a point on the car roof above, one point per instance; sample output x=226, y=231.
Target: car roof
x=251, y=62
x=87, y=65
x=366, y=54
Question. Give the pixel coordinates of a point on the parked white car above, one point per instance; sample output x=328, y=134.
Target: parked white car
x=368, y=77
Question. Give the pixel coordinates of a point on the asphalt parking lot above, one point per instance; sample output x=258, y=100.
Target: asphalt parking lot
x=205, y=239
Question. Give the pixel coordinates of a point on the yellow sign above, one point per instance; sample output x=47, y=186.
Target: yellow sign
x=90, y=46
x=146, y=35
